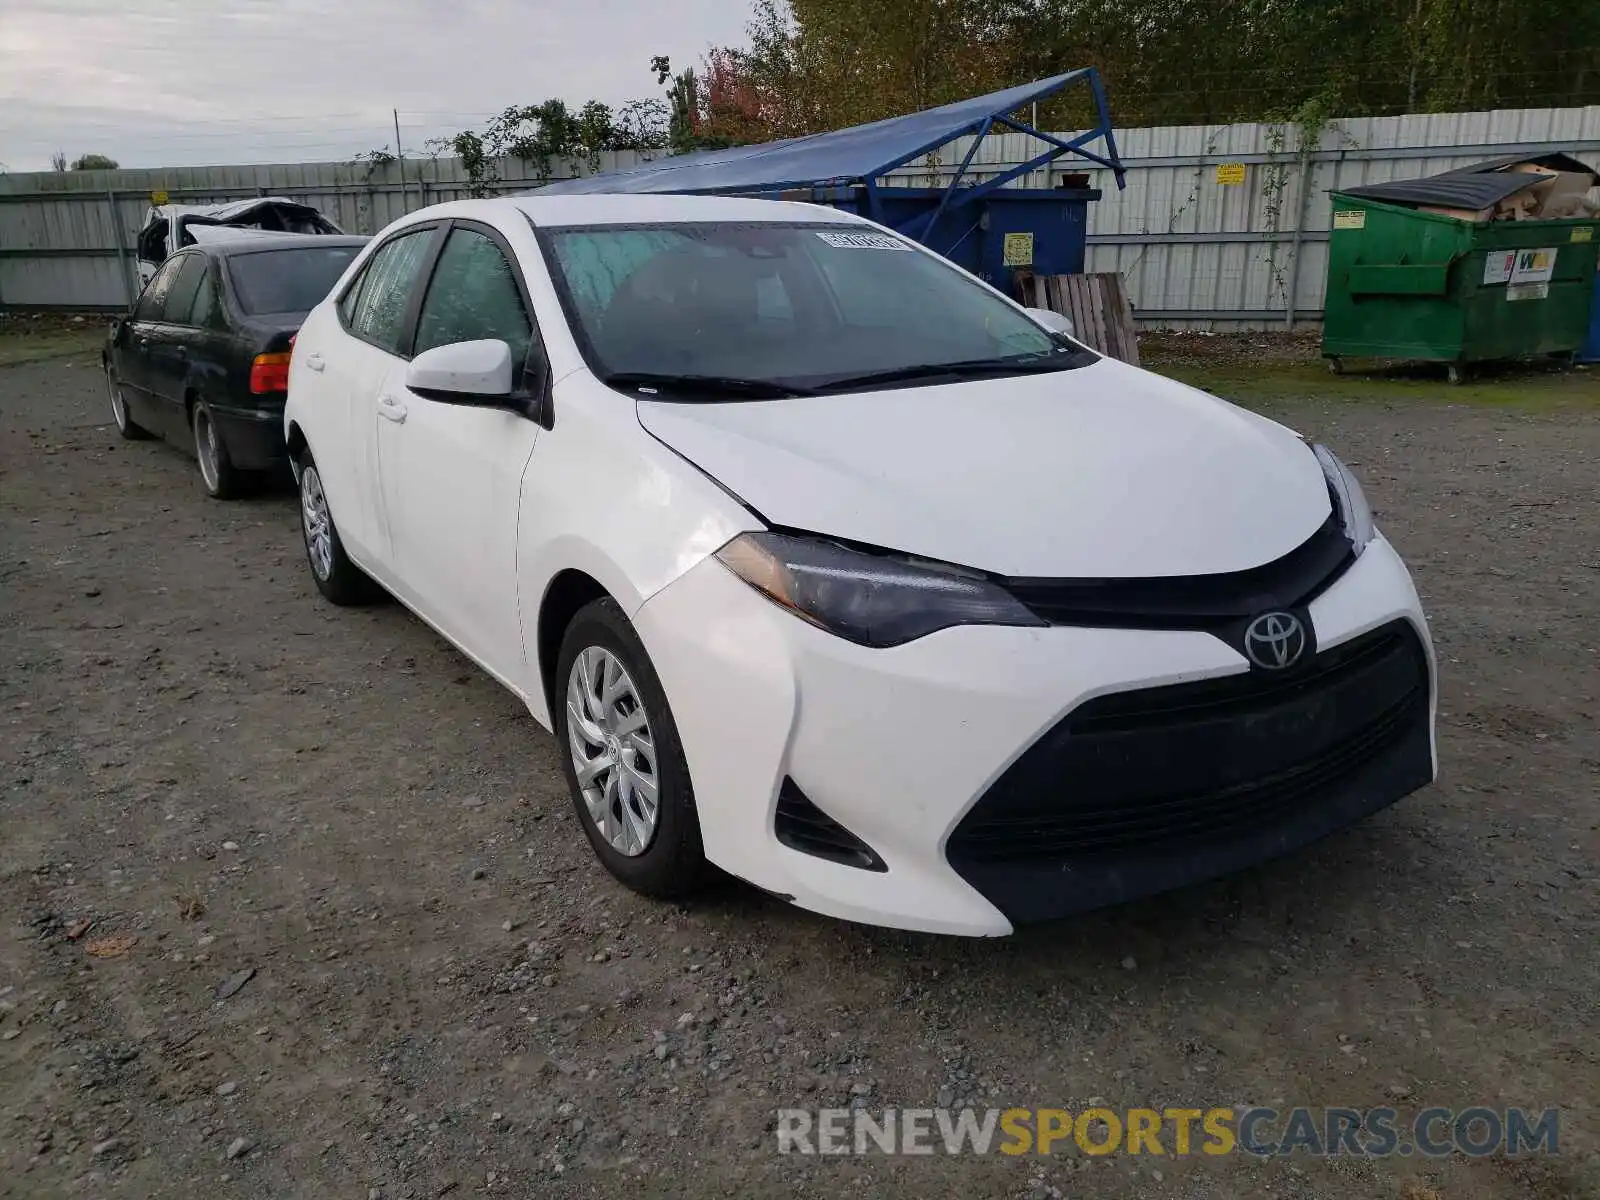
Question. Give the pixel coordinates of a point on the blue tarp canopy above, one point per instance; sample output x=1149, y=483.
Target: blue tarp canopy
x=856, y=155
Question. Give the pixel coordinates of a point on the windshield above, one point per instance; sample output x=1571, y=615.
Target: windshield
x=790, y=306
x=287, y=281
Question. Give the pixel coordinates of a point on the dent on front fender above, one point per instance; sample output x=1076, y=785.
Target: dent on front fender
x=643, y=521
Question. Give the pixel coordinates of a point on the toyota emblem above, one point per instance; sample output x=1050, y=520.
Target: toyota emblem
x=1275, y=641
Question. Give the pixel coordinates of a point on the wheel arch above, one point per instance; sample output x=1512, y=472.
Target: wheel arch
x=567, y=594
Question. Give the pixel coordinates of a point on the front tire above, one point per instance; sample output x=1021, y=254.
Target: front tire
x=221, y=478
x=336, y=577
x=126, y=425
x=624, y=763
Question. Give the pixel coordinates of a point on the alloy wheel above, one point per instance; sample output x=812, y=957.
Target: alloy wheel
x=119, y=411
x=205, y=448
x=613, y=751
x=317, y=524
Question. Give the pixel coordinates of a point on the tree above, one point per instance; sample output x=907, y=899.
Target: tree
x=821, y=64
x=541, y=133
x=58, y=161
x=95, y=162
x=724, y=103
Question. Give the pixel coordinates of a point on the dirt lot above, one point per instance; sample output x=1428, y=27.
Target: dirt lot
x=449, y=997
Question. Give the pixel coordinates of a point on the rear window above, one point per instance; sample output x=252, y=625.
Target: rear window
x=288, y=281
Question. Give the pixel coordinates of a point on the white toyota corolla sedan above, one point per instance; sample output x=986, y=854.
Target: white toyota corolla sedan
x=831, y=566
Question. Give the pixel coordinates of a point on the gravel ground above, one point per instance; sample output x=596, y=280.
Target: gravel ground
x=347, y=938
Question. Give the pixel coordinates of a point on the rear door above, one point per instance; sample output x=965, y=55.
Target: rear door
x=347, y=372
x=169, y=344
x=452, y=473
x=217, y=360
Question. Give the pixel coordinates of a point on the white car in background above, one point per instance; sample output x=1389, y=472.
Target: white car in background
x=830, y=565
x=168, y=228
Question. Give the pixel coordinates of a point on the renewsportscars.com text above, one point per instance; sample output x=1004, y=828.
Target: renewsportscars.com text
x=1319, y=1132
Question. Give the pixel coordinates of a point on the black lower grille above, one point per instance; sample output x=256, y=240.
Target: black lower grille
x=802, y=826
x=1162, y=774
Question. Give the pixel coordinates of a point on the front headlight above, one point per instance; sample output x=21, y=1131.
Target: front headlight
x=870, y=600
x=1354, y=511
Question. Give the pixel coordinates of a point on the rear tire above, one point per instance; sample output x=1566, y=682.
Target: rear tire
x=222, y=480
x=669, y=860
x=126, y=425
x=336, y=577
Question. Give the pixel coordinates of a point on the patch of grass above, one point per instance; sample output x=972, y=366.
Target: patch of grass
x=33, y=345
x=1267, y=368
x=1530, y=390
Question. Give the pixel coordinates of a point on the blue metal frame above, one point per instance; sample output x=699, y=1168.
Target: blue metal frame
x=957, y=197
x=1102, y=129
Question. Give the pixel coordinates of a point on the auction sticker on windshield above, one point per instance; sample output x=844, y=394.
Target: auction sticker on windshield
x=863, y=241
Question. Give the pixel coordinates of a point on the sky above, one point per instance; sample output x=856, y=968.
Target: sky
x=154, y=83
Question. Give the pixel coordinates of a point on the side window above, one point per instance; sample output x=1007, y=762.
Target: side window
x=473, y=295
x=180, y=300
x=153, y=301
x=352, y=297
x=153, y=241
x=203, y=312
x=381, y=308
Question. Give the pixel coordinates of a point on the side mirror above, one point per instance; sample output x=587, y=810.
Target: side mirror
x=1052, y=320
x=464, y=373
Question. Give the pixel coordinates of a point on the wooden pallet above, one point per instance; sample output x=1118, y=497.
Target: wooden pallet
x=1101, y=316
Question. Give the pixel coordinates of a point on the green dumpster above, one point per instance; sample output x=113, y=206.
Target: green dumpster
x=1405, y=283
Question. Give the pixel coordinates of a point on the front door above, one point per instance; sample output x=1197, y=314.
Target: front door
x=134, y=362
x=373, y=314
x=452, y=473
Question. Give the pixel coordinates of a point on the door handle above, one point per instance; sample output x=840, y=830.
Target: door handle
x=392, y=410
x=314, y=361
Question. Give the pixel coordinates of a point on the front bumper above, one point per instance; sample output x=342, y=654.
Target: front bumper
x=924, y=751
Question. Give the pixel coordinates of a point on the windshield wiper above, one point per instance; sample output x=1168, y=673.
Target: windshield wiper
x=1031, y=365
x=725, y=387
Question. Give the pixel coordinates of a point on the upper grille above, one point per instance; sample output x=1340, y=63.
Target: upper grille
x=1200, y=762
x=1192, y=601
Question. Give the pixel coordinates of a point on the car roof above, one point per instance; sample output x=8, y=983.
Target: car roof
x=616, y=208
x=259, y=240
x=223, y=212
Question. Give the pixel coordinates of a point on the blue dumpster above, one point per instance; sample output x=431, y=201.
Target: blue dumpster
x=1590, y=351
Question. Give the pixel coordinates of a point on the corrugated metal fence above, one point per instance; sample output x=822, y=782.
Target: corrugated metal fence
x=1231, y=248
x=1243, y=246
x=67, y=238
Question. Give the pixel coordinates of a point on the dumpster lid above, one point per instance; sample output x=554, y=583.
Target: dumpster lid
x=1480, y=186
x=859, y=153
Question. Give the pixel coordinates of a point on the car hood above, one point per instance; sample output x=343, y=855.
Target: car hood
x=1105, y=471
